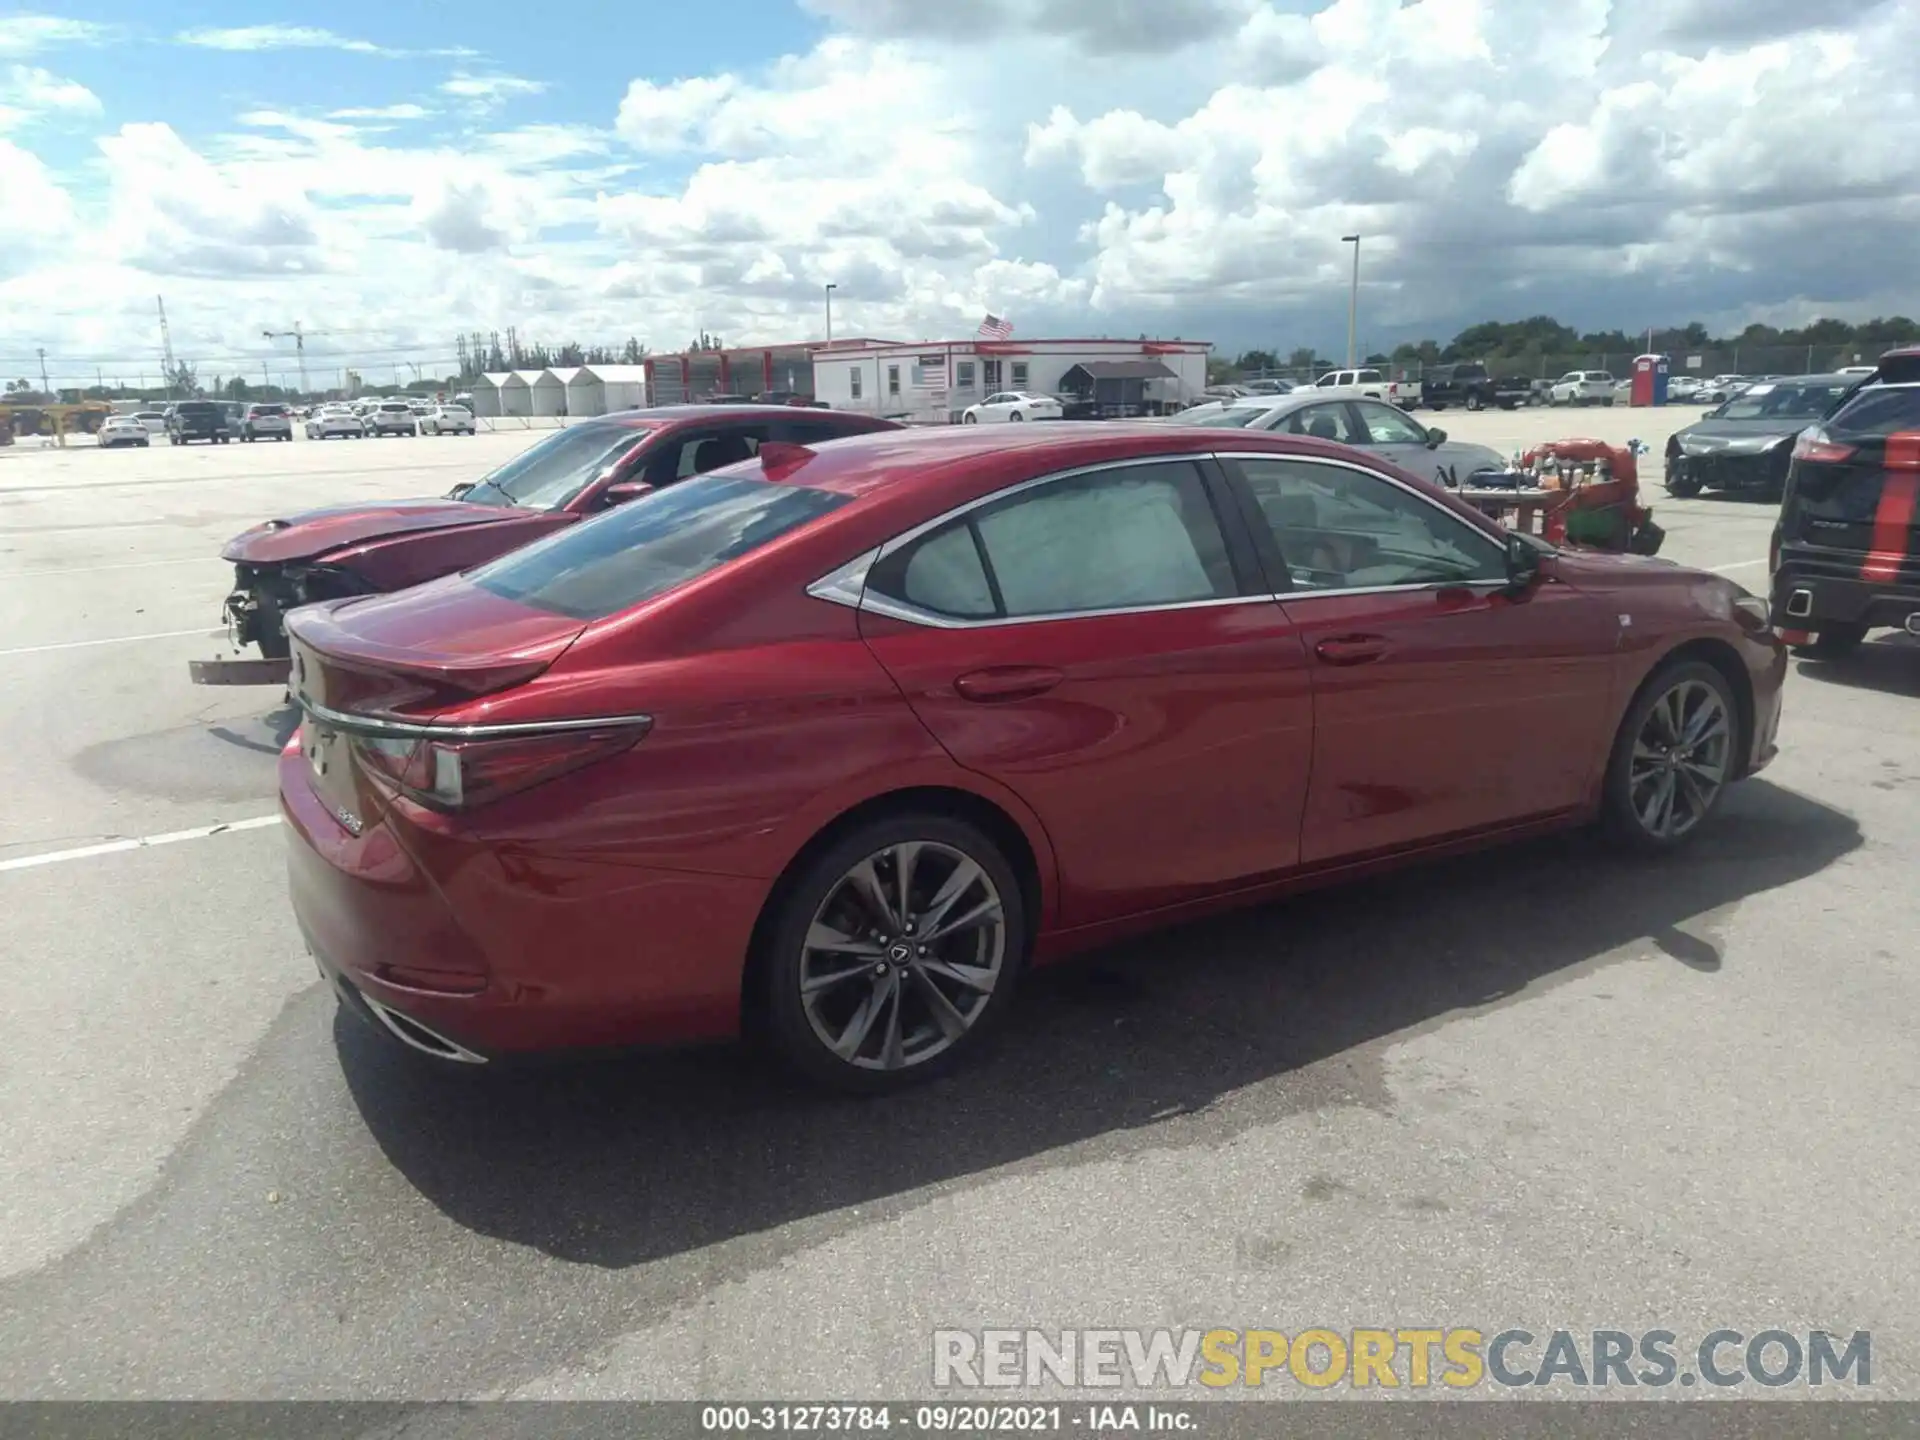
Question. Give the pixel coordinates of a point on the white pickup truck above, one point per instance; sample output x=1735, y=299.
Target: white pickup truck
x=1363, y=385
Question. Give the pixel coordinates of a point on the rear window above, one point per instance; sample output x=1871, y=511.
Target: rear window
x=1879, y=412
x=269, y=409
x=196, y=407
x=649, y=545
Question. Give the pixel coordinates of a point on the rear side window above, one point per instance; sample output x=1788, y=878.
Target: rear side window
x=1879, y=412
x=650, y=545
x=1133, y=537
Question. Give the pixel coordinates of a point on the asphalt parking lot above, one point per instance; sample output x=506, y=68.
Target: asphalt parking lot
x=1545, y=1088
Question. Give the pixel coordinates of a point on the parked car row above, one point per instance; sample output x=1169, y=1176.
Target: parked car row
x=218, y=422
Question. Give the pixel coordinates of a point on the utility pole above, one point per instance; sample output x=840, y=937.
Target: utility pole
x=830, y=290
x=46, y=385
x=166, y=342
x=1353, y=304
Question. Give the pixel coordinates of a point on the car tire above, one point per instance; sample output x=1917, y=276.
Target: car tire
x=969, y=419
x=1833, y=642
x=1677, y=750
x=1683, y=486
x=1474, y=402
x=1016, y=415
x=903, y=1040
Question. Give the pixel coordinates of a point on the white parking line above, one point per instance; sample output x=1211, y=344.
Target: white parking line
x=145, y=842
x=1736, y=565
x=96, y=569
x=112, y=640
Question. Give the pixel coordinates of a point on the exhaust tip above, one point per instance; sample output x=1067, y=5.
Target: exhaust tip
x=1800, y=603
x=1913, y=623
x=415, y=1036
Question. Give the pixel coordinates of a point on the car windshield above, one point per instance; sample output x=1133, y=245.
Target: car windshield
x=652, y=544
x=558, y=468
x=1782, y=402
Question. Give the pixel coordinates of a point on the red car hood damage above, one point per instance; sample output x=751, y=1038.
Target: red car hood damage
x=314, y=532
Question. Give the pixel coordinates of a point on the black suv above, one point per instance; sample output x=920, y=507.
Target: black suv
x=192, y=420
x=1469, y=385
x=1846, y=551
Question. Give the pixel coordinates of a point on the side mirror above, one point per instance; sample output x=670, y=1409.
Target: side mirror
x=627, y=490
x=1523, y=563
x=1436, y=437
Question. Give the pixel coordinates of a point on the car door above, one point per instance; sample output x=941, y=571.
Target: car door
x=1103, y=644
x=1385, y=432
x=1443, y=703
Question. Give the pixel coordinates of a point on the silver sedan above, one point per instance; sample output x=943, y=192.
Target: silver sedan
x=1370, y=425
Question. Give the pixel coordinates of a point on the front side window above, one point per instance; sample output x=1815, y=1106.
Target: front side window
x=648, y=546
x=704, y=450
x=1134, y=537
x=1342, y=529
x=1387, y=426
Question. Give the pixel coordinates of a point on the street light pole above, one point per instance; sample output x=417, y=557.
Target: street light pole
x=1353, y=304
x=830, y=290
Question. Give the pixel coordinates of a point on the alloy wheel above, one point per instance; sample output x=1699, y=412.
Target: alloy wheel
x=903, y=955
x=1680, y=760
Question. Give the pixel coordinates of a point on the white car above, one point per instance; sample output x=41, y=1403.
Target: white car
x=1012, y=405
x=392, y=417
x=1722, y=388
x=1858, y=370
x=334, y=420
x=1582, y=387
x=1361, y=385
x=121, y=430
x=153, y=421
x=447, y=420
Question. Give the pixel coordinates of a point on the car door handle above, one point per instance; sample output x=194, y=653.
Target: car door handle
x=1351, y=649
x=1007, y=682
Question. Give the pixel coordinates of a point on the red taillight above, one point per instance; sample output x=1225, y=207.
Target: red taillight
x=1815, y=446
x=1773, y=552
x=459, y=772
x=1903, y=450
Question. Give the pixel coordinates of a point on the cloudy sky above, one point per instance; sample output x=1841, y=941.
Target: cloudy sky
x=393, y=174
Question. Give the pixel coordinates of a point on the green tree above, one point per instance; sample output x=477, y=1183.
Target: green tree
x=1302, y=358
x=633, y=352
x=1258, y=360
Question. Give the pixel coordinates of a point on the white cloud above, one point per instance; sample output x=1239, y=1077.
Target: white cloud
x=25, y=34
x=34, y=210
x=29, y=93
x=275, y=37
x=380, y=112
x=490, y=89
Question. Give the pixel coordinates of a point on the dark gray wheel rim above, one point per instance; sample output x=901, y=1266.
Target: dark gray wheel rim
x=1680, y=759
x=903, y=955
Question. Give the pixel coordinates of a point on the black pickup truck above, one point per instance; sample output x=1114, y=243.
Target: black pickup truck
x=1469, y=386
x=192, y=420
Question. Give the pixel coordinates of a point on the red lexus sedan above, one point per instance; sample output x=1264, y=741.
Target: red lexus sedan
x=828, y=746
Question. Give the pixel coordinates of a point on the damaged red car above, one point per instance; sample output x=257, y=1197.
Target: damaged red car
x=575, y=472
x=830, y=746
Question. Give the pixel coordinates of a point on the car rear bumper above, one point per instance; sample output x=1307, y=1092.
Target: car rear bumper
x=509, y=949
x=1808, y=591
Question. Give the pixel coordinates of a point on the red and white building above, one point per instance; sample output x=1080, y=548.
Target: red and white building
x=931, y=381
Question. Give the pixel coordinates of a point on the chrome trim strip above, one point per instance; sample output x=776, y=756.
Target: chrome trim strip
x=882, y=605
x=350, y=724
x=846, y=585
x=396, y=1025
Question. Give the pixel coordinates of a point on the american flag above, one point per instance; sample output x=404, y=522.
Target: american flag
x=994, y=328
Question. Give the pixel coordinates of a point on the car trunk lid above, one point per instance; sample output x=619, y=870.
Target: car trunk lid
x=403, y=658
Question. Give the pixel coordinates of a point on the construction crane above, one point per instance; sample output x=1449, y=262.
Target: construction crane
x=300, y=347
